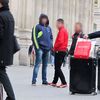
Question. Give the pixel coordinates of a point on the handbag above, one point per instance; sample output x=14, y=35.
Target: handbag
x=16, y=45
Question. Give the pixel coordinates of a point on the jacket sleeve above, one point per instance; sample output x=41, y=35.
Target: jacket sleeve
x=34, y=37
x=60, y=39
x=94, y=35
x=51, y=37
x=1, y=29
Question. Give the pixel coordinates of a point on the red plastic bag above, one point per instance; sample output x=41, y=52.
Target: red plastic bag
x=82, y=49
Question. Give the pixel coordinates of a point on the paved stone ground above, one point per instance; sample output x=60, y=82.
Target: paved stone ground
x=21, y=80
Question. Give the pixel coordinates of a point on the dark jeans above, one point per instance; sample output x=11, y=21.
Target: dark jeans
x=59, y=58
x=4, y=79
x=99, y=74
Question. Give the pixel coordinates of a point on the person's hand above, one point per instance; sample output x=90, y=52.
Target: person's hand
x=85, y=37
x=52, y=49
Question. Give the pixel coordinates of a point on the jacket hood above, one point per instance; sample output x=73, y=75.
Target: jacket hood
x=43, y=16
x=4, y=2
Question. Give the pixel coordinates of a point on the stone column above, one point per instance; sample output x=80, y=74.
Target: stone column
x=14, y=10
x=24, y=32
x=38, y=10
x=55, y=16
x=86, y=14
x=44, y=6
x=50, y=11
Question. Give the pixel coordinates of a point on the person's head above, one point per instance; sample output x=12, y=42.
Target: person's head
x=4, y=3
x=44, y=20
x=1, y=5
x=60, y=23
x=78, y=27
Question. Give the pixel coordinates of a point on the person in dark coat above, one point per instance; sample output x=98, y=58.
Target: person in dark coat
x=6, y=46
x=78, y=34
x=94, y=35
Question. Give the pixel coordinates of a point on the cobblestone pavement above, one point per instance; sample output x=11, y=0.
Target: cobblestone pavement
x=21, y=80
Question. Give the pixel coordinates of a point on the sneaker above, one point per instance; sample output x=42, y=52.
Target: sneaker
x=45, y=83
x=34, y=84
x=52, y=84
x=62, y=86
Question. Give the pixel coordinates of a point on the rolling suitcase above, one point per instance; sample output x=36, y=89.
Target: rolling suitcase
x=83, y=76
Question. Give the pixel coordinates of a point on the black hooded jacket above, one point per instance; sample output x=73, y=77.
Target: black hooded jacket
x=6, y=35
x=94, y=35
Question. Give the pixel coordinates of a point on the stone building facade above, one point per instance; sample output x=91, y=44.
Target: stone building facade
x=26, y=13
x=96, y=22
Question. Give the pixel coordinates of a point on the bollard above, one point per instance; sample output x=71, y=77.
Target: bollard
x=1, y=92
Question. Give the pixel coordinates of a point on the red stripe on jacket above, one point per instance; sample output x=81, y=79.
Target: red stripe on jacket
x=61, y=43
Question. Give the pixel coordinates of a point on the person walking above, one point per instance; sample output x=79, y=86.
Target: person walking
x=6, y=46
x=60, y=49
x=42, y=40
x=78, y=34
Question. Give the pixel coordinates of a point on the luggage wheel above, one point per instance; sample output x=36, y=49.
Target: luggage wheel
x=72, y=93
x=94, y=93
x=98, y=92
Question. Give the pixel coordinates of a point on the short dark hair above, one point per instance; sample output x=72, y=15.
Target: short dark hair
x=60, y=20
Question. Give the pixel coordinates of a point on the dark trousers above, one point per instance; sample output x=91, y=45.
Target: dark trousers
x=99, y=74
x=4, y=79
x=59, y=58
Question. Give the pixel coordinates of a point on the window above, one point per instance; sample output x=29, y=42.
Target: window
x=96, y=2
x=95, y=27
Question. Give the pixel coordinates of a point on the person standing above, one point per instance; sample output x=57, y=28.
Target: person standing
x=42, y=40
x=60, y=49
x=6, y=46
x=78, y=34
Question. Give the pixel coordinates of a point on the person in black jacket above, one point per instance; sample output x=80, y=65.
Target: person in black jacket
x=78, y=33
x=94, y=35
x=6, y=46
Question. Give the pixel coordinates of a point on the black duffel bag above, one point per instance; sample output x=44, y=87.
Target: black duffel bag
x=16, y=45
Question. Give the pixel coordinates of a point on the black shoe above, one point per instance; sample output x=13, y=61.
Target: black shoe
x=34, y=84
x=45, y=83
x=9, y=98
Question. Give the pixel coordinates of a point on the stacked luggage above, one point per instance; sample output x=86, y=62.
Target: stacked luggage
x=83, y=69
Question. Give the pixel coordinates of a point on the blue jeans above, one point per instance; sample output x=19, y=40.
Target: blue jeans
x=51, y=58
x=41, y=56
